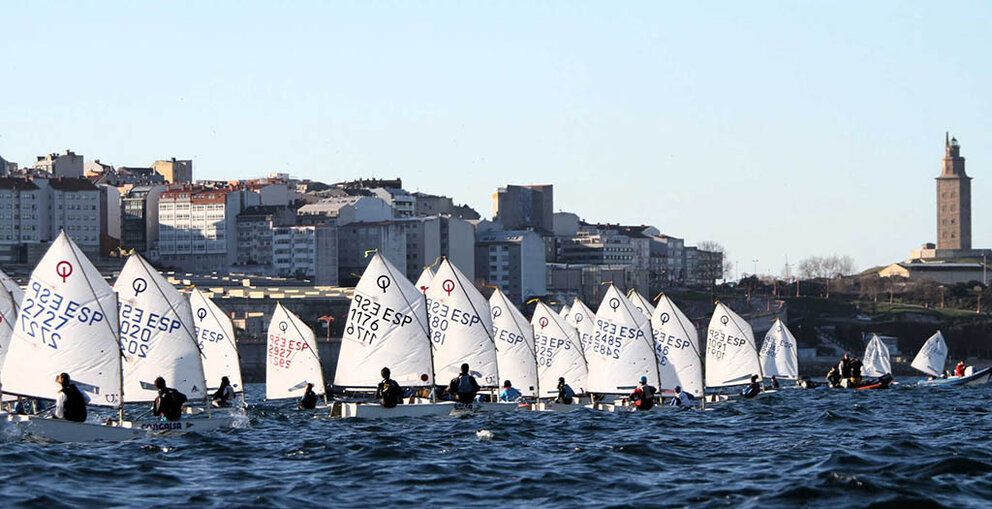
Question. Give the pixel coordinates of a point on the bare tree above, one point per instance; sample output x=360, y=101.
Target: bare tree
x=825, y=266
x=726, y=267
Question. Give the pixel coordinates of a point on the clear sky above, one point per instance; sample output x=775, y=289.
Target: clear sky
x=774, y=128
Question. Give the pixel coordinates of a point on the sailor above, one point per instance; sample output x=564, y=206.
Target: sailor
x=509, y=393
x=309, y=399
x=224, y=396
x=856, y=371
x=752, y=389
x=681, y=398
x=643, y=395
x=464, y=386
x=833, y=377
x=388, y=391
x=775, y=384
x=71, y=403
x=959, y=369
x=169, y=403
x=845, y=366
x=565, y=393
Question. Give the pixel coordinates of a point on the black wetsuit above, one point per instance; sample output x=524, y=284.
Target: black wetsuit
x=169, y=404
x=389, y=393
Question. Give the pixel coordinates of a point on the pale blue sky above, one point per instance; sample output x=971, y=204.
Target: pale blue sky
x=775, y=128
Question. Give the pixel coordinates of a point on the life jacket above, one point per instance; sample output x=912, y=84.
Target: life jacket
x=74, y=408
x=750, y=391
x=465, y=384
x=170, y=404
x=390, y=394
x=645, y=397
x=309, y=400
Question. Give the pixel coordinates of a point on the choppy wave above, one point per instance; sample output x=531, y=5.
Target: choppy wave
x=819, y=448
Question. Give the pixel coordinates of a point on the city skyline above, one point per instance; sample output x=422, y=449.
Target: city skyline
x=825, y=137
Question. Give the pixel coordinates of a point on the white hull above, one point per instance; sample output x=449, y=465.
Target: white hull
x=196, y=424
x=462, y=408
x=551, y=406
x=377, y=411
x=58, y=430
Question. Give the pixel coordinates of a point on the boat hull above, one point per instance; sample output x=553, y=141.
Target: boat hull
x=58, y=430
x=977, y=378
x=185, y=425
x=486, y=407
x=377, y=411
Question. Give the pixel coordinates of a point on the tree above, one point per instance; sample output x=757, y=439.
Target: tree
x=725, y=266
x=825, y=266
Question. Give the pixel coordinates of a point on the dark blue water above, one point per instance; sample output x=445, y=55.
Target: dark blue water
x=818, y=448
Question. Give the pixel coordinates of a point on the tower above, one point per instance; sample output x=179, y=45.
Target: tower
x=953, y=200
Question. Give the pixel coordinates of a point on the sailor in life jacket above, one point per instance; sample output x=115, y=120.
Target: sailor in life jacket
x=169, y=403
x=752, y=389
x=959, y=369
x=464, y=386
x=681, y=398
x=565, y=393
x=509, y=393
x=71, y=403
x=643, y=395
x=388, y=392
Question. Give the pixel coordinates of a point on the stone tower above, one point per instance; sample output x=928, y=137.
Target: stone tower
x=953, y=200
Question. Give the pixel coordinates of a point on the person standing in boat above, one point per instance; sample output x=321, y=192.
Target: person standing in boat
x=388, y=392
x=70, y=404
x=509, y=393
x=752, y=389
x=309, y=399
x=856, y=371
x=565, y=393
x=959, y=369
x=224, y=396
x=464, y=386
x=643, y=395
x=681, y=397
x=169, y=403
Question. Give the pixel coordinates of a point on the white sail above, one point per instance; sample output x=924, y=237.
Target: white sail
x=386, y=327
x=559, y=353
x=779, y=354
x=215, y=336
x=292, y=360
x=565, y=309
x=424, y=281
x=876, y=361
x=584, y=321
x=679, y=355
x=156, y=335
x=640, y=303
x=461, y=327
x=67, y=323
x=514, y=345
x=932, y=356
x=731, y=354
x=10, y=302
x=622, y=348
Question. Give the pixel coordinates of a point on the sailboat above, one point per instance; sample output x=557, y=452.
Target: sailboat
x=68, y=324
x=639, y=302
x=565, y=309
x=157, y=338
x=292, y=360
x=386, y=327
x=461, y=329
x=584, y=321
x=875, y=363
x=731, y=353
x=679, y=356
x=779, y=355
x=515, y=352
x=10, y=301
x=215, y=337
x=622, y=349
x=424, y=281
x=559, y=355
x=931, y=360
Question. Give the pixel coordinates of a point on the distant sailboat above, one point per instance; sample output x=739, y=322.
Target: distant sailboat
x=565, y=309
x=215, y=336
x=641, y=303
x=515, y=353
x=584, y=321
x=677, y=341
x=731, y=354
x=932, y=356
x=779, y=356
x=876, y=361
x=292, y=360
x=10, y=301
x=559, y=355
x=622, y=349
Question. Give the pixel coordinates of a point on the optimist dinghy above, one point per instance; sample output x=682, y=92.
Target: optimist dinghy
x=292, y=360
x=386, y=327
x=559, y=355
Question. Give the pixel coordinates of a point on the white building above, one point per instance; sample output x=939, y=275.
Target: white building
x=198, y=226
x=428, y=238
x=514, y=261
x=403, y=203
x=350, y=209
x=20, y=217
x=74, y=207
x=67, y=165
x=306, y=252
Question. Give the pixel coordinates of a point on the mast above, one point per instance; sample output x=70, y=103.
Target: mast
x=430, y=342
x=120, y=360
